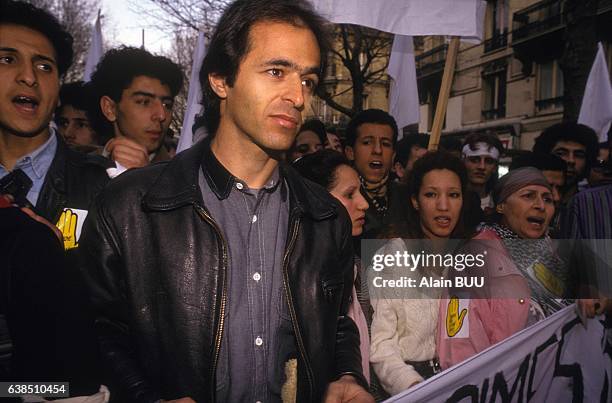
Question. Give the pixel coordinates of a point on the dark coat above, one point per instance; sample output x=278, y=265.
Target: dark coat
x=157, y=275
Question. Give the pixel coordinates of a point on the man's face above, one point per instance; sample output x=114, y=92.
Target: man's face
x=416, y=152
x=74, y=126
x=556, y=180
x=575, y=155
x=143, y=113
x=275, y=81
x=373, y=151
x=30, y=81
x=306, y=142
x=480, y=168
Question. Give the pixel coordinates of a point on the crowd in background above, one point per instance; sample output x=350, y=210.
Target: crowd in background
x=392, y=188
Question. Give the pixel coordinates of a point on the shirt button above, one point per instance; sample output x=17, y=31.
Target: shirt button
x=521, y=301
x=254, y=218
x=239, y=185
x=258, y=341
x=256, y=276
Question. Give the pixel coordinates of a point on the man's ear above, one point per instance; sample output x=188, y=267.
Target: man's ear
x=415, y=202
x=398, y=169
x=109, y=108
x=350, y=154
x=500, y=208
x=218, y=85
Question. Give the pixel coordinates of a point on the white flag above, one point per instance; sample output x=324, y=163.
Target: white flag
x=404, y=96
x=194, y=96
x=463, y=18
x=95, y=52
x=596, y=109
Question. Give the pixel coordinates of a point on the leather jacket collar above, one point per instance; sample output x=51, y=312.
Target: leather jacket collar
x=177, y=185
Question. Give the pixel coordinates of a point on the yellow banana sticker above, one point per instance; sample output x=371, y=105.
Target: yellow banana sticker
x=454, y=318
x=67, y=224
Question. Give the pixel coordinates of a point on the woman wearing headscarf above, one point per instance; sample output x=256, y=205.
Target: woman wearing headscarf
x=522, y=284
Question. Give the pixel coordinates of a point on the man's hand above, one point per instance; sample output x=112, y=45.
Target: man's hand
x=127, y=152
x=346, y=389
x=592, y=307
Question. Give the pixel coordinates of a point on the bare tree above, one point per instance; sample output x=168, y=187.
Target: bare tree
x=364, y=53
x=78, y=17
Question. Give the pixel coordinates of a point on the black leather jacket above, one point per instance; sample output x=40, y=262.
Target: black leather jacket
x=73, y=180
x=157, y=275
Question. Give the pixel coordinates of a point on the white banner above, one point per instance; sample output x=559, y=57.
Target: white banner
x=596, y=108
x=555, y=360
x=194, y=96
x=96, y=50
x=404, y=95
x=463, y=18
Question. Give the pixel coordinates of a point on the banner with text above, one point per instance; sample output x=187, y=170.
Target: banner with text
x=556, y=360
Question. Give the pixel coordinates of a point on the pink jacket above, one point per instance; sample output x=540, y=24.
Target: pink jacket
x=474, y=320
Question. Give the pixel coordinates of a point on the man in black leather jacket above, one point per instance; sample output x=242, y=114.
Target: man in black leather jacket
x=35, y=51
x=180, y=275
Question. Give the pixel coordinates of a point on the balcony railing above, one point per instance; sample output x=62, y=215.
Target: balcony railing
x=538, y=19
x=491, y=114
x=498, y=41
x=431, y=61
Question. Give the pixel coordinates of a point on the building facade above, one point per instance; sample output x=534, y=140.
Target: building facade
x=511, y=84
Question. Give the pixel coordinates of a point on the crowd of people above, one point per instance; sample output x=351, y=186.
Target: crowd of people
x=233, y=271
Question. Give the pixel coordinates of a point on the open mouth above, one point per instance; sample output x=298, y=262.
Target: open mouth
x=443, y=221
x=376, y=165
x=26, y=103
x=536, y=221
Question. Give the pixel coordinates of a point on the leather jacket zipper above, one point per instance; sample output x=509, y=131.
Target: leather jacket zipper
x=296, y=329
x=219, y=332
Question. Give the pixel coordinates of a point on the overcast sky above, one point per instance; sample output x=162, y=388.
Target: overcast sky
x=124, y=26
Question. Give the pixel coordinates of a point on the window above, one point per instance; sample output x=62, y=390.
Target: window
x=498, y=26
x=494, y=104
x=550, y=86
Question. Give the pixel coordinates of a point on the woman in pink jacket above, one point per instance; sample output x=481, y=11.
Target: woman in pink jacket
x=519, y=288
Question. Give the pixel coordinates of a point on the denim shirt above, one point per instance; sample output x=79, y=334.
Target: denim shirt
x=36, y=165
x=258, y=337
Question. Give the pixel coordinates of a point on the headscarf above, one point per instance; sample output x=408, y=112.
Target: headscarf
x=517, y=179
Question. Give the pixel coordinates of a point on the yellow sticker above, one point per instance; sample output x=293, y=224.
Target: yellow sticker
x=70, y=224
x=454, y=318
x=548, y=279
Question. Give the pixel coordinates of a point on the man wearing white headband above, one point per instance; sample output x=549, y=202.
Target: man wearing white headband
x=481, y=154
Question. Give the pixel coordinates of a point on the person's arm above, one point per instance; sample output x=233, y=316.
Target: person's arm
x=102, y=267
x=350, y=382
x=385, y=353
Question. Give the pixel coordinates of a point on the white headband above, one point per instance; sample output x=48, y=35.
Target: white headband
x=481, y=148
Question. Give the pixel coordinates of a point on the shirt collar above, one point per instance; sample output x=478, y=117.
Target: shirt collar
x=41, y=158
x=221, y=180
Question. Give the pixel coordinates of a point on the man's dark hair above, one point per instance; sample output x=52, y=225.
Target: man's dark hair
x=320, y=167
x=316, y=126
x=24, y=14
x=488, y=138
x=450, y=144
x=230, y=43
x=569, y=131
x=543, y=162
x=116, y=71
x=402, y=150
x=376, y=116
x=76, y=94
